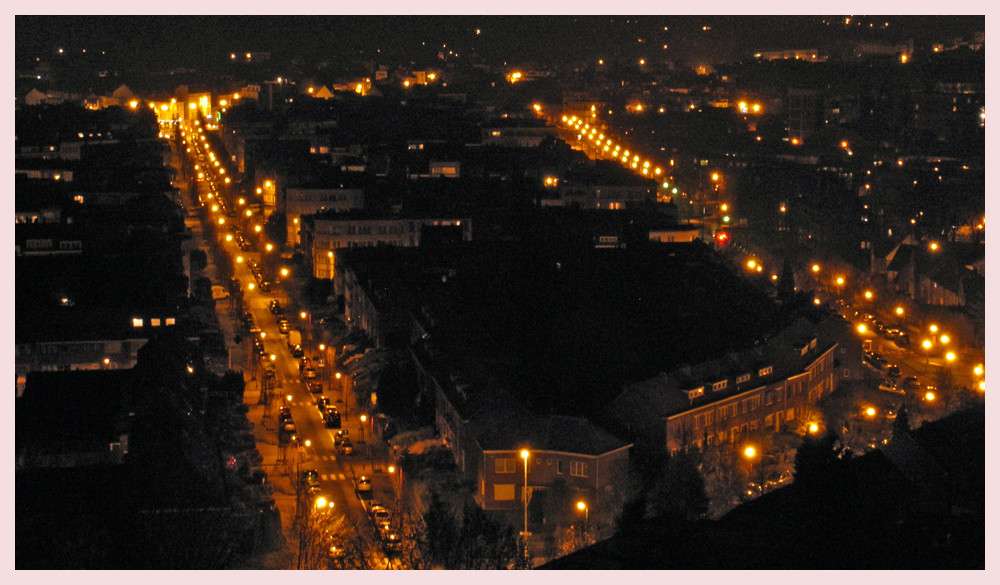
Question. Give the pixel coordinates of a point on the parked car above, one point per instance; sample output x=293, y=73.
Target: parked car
x=345, y=447
x=909, y=383
x=364, y=484
x=340, y=436
x=309, y=373
x=322, y=402
x=888, y=385
x=893, y=371
x=331, y=418
x=315, y=386
x=275, y=307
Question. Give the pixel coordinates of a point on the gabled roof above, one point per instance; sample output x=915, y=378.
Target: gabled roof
x=62, y=412
x=645, y=403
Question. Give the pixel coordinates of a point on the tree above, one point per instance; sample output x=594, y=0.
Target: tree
x=276, y=228
x=680, y=492
x=198, y=259
x=816, y=458
x=786, y=283
x=901, y=425
x=475, y=542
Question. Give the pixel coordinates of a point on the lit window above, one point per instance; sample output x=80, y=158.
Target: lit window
x=136, y=322
x=169, y=321
x=154, y=322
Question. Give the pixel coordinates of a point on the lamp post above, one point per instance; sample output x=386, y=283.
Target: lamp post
x=399, y=485
x=582, y=506
x=307, y=317
x=340, y=383
x=927, y=354
x=524, y=499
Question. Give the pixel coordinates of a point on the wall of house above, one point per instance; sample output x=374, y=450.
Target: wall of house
x=775, y=407
x=501, y=478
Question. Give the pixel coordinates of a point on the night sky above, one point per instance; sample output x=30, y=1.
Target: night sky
x=197, y=41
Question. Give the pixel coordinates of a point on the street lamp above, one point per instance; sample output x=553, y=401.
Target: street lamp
x=362, y=426
x=524, y=496
x=308, y=318
x=399, y=486
x=582, y=506
x=927, y=354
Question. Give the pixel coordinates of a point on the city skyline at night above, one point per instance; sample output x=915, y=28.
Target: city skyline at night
x=493, y=292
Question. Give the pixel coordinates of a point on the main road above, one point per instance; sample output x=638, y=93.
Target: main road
x=283, y=462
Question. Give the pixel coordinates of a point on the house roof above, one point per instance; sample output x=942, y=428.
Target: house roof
x=74, y=411
x=645, y=403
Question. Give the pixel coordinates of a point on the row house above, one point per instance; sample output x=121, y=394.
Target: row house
x=86, y=340
x=322, y=235
x=489, y=434
x=769, y=389
x=476, y=416
x=310, y=201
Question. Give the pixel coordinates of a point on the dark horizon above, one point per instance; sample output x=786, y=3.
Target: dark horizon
x=140, y=41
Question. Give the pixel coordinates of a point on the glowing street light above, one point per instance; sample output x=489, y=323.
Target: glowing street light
x=524, y=496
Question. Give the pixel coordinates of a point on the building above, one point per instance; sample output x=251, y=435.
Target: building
x=489, y=435
x=768, y=389
x=323, y=234
x=301, y=201
x=606, y=185
x=72, y=419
